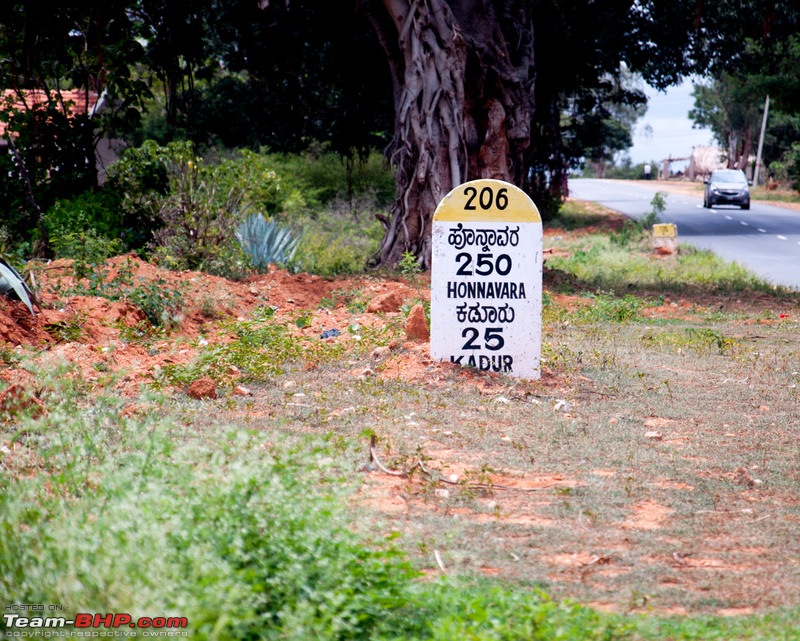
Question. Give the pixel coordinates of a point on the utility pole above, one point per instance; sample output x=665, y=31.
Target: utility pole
x=761, y=142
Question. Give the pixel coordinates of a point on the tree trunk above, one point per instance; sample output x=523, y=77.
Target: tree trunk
x=747, y=148
x=463, y=104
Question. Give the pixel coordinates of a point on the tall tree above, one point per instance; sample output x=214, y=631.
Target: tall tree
x=463, y=91
x=481, y=88
x=730, y=107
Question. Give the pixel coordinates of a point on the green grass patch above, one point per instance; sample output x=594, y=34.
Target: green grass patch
x=624, y=261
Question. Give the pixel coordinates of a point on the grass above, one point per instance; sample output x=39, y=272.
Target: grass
x=658, y=455
x=776, y=195
x=622, y=261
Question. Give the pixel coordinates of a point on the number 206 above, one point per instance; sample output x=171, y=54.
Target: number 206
x=486, y=198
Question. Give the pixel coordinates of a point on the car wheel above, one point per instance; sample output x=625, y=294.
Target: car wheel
x=746, y=207
x=705, y=204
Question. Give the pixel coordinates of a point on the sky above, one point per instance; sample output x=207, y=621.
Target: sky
x=672, y=132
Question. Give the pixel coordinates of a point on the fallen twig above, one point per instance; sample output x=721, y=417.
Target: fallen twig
x=374, y=458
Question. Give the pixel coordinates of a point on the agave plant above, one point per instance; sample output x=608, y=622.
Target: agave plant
x=11, y=283
x=265, y=241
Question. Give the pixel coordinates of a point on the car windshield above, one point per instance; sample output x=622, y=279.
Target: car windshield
x=729, y=176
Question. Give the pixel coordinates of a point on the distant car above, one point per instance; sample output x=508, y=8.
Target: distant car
x=727, y=187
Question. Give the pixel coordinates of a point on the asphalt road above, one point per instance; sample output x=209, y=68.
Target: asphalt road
x=765, y=239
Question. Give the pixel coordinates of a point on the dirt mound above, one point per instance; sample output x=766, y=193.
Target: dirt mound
x=110, y=334
x=18, y=327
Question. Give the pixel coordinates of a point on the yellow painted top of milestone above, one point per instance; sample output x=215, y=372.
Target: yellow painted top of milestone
x=487, y=200
x=665, y=230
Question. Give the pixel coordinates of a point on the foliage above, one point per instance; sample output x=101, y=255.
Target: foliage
x=193, y=207
x=288, y=78
x=264, y=347
x=199, y=217
x=90, y=48
x=140, y=178
x=247, y=539
x=601, y=121
x=87, y=229
x=261, y=528
x=321, y=176
x=159, y=302
x=330, y=254
x=658, y=205
x=624, y=169
x=792, y=165
x=52, y=156
x=96, y=210
x=409, y=266
x=731, y=107
x=196, y=205
x=265, y=241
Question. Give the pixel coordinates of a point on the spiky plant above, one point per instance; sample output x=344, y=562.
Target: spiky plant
x=266, y=241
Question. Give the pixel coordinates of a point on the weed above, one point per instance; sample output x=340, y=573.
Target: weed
x=9, y=356
x=303, y=320
x=69, y=330
x=409, y=265
x=210, y=308
x=159, y=302
x=701, y=339
x=658, y=205
x=607, y=307
x=352, y=300
x=141, y=332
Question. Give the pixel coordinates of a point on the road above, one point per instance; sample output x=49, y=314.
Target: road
x=765, y=239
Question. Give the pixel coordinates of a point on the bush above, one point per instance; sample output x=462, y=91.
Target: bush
x=141, y=179
x=86, y=228
x=199, y=216
x=792, y=166
x=195, y=206
x=337, y=245
x=246, y=542
x=265, y=241
x=321, y=176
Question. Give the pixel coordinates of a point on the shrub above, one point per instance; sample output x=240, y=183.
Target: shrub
x=265, y=241
x=245, y=541
x=195, y=206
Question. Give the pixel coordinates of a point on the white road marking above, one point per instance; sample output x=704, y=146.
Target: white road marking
x=728, y=217
x=741, y=222
x=763, y=231
x=782, y=237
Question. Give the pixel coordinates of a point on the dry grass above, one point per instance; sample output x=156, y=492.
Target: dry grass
x=668, y=480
